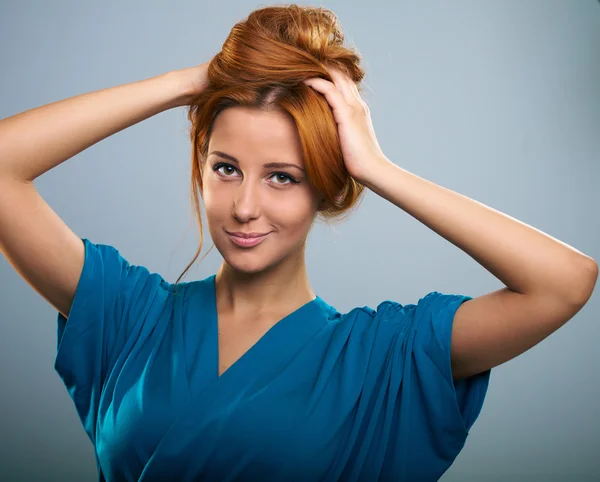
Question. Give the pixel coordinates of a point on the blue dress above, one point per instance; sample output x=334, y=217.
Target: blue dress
x=362, y=396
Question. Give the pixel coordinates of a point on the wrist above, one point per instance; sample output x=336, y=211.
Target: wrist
x=178, y=88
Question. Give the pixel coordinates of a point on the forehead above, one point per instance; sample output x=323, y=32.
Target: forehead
x=249, y=133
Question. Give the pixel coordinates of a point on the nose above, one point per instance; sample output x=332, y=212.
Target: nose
x=246, y=202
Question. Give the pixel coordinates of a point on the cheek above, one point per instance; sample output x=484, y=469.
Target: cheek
x=293, y=212
x=215, y=198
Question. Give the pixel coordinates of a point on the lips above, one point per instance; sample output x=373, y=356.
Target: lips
x=240, y=234
x=247, y=242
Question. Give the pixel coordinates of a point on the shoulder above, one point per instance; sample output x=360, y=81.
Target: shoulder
x=431, y=305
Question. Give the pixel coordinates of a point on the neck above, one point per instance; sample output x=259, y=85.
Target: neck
x=281, y=288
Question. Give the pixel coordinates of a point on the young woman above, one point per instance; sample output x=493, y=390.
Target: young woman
x=247, y=374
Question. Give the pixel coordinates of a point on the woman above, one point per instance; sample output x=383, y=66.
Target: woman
x=247, y=374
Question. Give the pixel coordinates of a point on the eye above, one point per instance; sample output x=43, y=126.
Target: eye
x=219, y=165
x=280, y=175
x=286, y=177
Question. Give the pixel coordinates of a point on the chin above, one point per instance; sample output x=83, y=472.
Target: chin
x=245, y=266
x=251, y=261
x=248, y=261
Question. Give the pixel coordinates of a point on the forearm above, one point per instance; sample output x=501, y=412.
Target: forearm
x=37, y=140
x=525, y=259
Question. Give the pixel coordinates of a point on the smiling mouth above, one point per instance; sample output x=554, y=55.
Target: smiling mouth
x=247, y=242
x=241, y=234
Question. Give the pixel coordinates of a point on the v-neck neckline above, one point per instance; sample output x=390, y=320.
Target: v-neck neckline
x=300, y=331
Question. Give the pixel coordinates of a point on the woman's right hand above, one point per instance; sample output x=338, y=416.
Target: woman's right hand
x=192, y=81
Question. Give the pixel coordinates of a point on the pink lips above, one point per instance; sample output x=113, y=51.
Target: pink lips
x=247, y=242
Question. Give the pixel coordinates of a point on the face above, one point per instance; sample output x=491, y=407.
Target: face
x=243, y=193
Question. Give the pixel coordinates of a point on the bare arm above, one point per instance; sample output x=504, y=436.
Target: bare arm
x=33, y=238
x=37, y=140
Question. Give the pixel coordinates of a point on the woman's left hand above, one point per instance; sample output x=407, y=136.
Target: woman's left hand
x=360, y=149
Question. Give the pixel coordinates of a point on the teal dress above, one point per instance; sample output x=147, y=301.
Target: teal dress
x=361, y=396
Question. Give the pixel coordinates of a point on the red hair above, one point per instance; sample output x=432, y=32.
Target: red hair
x=262, y=65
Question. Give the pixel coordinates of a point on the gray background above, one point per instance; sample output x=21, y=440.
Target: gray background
x=499, y=101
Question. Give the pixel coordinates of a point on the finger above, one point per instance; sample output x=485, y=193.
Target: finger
x=346, y=86
x=330, y=91
x=341, y=82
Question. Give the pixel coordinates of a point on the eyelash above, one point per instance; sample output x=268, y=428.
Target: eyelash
x=219, y=165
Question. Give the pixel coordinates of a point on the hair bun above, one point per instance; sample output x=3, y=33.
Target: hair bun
x=284, y=45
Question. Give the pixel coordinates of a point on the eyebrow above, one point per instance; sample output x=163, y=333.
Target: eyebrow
x=277, y=165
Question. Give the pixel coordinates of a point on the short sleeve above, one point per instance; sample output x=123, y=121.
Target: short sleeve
x=456, y=402
x=112, y=302
x=424, y=413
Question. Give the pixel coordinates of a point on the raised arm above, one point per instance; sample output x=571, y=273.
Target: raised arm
x=33, y=238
